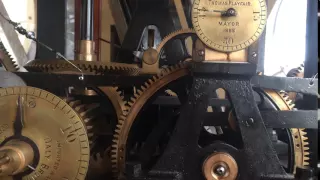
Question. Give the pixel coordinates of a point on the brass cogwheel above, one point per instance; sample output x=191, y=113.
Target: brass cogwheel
x=87, y=114
x=172, y=36
x=157, y=82
x=6, y=60
x=88, y=67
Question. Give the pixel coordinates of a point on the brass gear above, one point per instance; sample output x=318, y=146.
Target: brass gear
x=87, y=114
x=53, y=127
x=88, y=67
x=167, y=76
x=301, y=145
x=6, y=60
x=172, y=36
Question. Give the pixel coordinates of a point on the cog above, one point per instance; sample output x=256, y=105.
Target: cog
x=55, y=132
x=158, y=82
x=295, y=72
x=87, y=114
x=174, y=35
x=301, y=145
x=6, y=60
x=137, y=101
x=88, y=67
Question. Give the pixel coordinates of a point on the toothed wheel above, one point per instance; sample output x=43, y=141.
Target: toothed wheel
x=6, y=60
x=135, y=126
x=88, y=114
x=88, y=67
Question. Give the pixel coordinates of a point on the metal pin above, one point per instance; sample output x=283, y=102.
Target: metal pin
x=32, y=168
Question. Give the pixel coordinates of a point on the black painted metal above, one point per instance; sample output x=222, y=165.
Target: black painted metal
x=225, y=68
x=86, y=24
x=155, y=12
x=183, y=154
x=47, y=80
x=271, y=119
x=301, y=85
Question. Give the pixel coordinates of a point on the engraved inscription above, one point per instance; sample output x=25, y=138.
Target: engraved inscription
x=228, y=23
x=229, y=3
x=48, y=147
x=38, y=173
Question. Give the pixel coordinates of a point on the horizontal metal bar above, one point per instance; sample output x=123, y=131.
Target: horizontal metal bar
x=290, y=119
x=48, y=80
x=301, y=85
x=272, y=119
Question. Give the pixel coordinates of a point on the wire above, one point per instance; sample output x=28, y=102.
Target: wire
x=31, y=35
x=115, y=45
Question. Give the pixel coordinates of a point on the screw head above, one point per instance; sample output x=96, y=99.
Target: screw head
x=220, y=170
x=254, y=54
x=201, y=53
x=249, y=122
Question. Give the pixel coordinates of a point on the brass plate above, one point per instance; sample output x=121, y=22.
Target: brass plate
x=56, y=129
x=229, y=25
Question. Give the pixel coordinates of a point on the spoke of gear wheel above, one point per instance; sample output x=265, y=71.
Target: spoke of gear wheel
x=6, y=60
x=96, y=67
x=118, y=152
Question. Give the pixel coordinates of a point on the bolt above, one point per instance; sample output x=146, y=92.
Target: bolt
x=201, y=53
x=249, y=122
x=32, y=104
x=254, y=54
x=220, y=170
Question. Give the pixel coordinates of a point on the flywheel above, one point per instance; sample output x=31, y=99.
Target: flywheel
x=135, y=127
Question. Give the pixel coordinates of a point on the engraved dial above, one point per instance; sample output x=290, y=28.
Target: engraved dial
x=229, y=25
x=56, y=133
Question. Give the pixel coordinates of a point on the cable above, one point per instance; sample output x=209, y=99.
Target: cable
x=31, y=35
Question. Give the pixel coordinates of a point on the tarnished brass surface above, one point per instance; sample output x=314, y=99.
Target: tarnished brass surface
x=229, y=25
x=57, y=131
x=87, y=51
x=220, y=159
x=15, y=156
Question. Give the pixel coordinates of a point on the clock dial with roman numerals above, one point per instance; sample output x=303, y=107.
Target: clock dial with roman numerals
x=229, y=25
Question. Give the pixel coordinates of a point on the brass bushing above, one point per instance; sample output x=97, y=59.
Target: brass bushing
x=220, y=166
x=15, y=156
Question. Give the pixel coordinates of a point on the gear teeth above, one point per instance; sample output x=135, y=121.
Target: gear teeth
x=124, y=124
x=85, y=112
x=97, y=68
x=7, y=61
x=174, y=35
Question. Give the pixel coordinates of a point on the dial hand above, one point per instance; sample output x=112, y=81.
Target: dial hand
x=18, y=123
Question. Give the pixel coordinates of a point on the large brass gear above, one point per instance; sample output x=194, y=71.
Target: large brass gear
x=88, y=67
x=158, y=82
x=56, y=133
x=6, y=60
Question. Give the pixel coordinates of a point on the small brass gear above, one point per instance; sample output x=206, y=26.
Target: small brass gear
x=6, y=60
x=88, y=67
x=167, y=76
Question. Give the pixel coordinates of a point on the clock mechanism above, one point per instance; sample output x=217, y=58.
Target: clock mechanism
x=181, y=95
